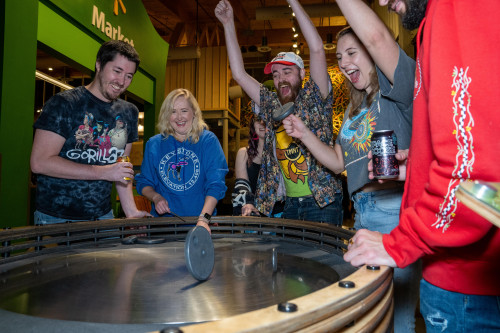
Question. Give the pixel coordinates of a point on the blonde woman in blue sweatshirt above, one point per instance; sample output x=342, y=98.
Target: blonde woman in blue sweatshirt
x=184, y=168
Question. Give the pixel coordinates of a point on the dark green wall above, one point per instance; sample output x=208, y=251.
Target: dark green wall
x=19, y=20
x=66, y=28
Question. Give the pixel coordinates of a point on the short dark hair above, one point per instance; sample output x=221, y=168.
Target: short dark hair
x=110, y=49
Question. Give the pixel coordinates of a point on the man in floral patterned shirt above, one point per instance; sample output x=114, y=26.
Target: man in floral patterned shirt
x=288, y=169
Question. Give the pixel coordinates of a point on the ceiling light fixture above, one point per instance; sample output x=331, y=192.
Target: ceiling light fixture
x=42, y=76
x=329, y=45
x=264, y=47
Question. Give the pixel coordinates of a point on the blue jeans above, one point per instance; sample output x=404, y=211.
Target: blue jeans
x=306, y=208
x=42, y=219
x=379, y=211
x=447, y=311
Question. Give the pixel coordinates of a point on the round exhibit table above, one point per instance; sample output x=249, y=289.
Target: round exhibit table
x=130, y=275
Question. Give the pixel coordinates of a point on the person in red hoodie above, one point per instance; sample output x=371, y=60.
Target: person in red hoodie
x=455, y=139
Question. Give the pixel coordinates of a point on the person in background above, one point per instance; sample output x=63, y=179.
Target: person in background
x=184, y=168
x=247, y=165
x=455, y=132
x=380, y=77
x=74, y=177
x=289, y=171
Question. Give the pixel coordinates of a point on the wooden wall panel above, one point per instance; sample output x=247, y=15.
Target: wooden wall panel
x=213, y=83
x=393, y=22
x=207, y=77
x=180, y=74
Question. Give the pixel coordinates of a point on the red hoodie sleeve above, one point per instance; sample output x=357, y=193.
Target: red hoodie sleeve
x=456, y=134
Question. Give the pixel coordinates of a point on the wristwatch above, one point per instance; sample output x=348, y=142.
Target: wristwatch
x=206, y=217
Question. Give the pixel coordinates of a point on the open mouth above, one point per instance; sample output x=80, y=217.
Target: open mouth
x=353, y=75
x=285, y=90
x=116, y=87
x=181, y=124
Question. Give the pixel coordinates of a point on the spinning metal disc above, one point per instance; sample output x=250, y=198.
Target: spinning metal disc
x=77, y=278
x=199, y=253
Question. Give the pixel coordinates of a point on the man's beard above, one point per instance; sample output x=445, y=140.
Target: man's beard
x=415, y=13
x=290, y=97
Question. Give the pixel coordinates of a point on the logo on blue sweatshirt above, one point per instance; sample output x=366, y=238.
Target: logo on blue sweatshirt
x=180, y=169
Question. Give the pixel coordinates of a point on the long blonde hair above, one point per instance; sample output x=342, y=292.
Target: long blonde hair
x=166, y=111
x=357, y=96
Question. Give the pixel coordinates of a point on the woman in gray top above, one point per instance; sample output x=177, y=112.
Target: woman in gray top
x=381, y=80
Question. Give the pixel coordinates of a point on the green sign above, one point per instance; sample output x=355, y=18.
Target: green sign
x=77, y=28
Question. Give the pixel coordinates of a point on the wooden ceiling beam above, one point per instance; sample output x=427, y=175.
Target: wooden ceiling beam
x=180, y=11
x=278, y=36
x=204, y=39
x=240, y=14
x=176, y=36
x=283, y=12
x=214, y=36
x=190, y=36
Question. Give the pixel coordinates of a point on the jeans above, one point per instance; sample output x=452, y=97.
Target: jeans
x=42, y=219
x=306, y=208
x=447, y=311
x=379, y=211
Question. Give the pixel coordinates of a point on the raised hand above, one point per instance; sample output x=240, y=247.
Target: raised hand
x=224, y=12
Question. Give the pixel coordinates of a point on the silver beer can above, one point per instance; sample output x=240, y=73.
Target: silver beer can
x=384, y=148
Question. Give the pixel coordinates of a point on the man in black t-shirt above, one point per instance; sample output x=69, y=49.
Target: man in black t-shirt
x=73, y=152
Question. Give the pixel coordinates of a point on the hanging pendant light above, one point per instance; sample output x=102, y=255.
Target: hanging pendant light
x=264, y=47
x=329, y=45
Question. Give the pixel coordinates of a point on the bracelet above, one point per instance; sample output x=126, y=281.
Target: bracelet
x=154, y=197
x=204, y=219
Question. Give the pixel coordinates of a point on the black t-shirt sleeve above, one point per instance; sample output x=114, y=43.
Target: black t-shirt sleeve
x=56, y=117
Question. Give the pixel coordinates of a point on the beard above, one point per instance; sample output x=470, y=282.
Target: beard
x=103, y=88
x=294, y=92
x=415, y=13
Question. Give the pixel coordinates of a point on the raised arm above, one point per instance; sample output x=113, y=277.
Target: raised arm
x=317, y=62
x=331, y=158
x=224, y=12
x=373, y=33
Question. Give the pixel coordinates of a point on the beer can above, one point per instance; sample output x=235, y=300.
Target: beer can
x=384, y=148
x=124, y=158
